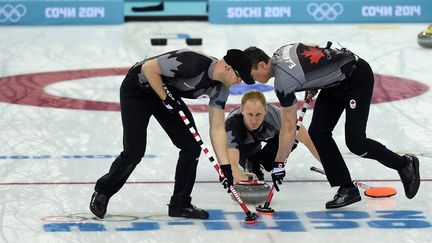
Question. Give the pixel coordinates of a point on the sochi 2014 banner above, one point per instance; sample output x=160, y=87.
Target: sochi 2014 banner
x=331, y=11
x=45, y=12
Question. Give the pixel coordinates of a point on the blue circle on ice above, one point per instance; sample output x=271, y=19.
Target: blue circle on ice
x=240, y=89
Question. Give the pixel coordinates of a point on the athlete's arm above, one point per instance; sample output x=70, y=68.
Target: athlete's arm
x=287, y=132
x=303, y=137
x=234, y=158
x=218, y=134
x=151, y=71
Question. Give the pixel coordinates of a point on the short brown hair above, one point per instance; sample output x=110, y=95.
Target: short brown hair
x=254, y=95
x=256, y=55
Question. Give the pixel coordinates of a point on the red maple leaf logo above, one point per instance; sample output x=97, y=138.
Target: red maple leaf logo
x=314, y=54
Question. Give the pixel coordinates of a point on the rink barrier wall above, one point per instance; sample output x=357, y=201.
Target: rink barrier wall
x=330, y=11
x=61, y=12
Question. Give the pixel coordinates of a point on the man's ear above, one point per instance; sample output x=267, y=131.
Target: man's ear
x=262, y=65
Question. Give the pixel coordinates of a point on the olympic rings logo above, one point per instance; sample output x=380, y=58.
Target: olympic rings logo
x=325, y=11
x=83, y=217
x=12, y=13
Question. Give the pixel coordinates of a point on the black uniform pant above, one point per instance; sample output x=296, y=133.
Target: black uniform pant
x=260, y=155
x=354, y=96
x=137, y=106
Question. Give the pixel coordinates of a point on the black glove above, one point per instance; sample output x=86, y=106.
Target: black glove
x=171, y=103
x=228, y=179
x=278, y=173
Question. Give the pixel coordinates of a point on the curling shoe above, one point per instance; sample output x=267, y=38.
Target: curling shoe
x=344, y=197
x=187, y=212
x=410, y=175
x=98, y=204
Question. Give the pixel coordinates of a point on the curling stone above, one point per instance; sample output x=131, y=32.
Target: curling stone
x=253, y=191
x=424, y=39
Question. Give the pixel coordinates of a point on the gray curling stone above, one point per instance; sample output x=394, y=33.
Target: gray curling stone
x=253, y=192
x=424, y=39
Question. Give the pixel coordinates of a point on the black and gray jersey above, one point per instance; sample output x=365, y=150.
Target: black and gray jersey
x=238, y=134
x=187, y=74
x=297, y=67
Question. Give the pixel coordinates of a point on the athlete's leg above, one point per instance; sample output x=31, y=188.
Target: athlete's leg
x=327, y=112
x=189, y=153
x=135, y=112
x=357, y=103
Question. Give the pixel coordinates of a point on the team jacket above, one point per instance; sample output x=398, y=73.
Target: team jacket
x=238, y=134
x=297, y=67
x=187, y=74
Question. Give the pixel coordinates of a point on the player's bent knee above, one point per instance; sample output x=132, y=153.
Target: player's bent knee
x=316, y=134
x=357, y=148
x=130, y=158
x=193, y=151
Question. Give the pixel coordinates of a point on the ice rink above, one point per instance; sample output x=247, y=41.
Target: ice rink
x=60, y=129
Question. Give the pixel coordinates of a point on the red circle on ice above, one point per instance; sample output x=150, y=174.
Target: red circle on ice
x=28, y=89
